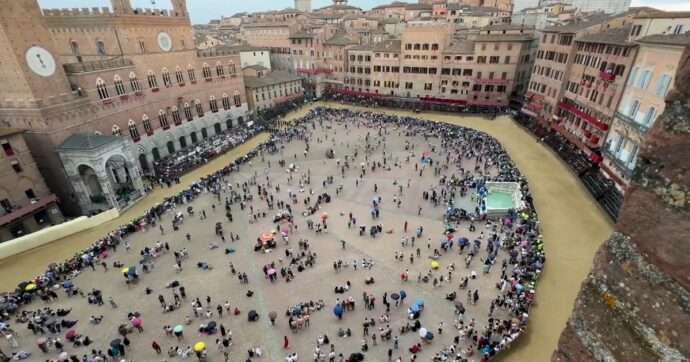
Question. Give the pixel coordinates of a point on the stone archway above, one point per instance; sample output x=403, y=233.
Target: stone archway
x=228, y=122
x=194, y=138
x=204, y=133
x=240, y=120
x=90, y=179
x=143, y=162
x=171, y=147
x=183, y=142
x=156, y=154
x=217, y=127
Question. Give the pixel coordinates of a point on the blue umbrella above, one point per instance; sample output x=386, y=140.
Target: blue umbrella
x=338, y=310
x=429, y=336
x=463, y=241
x=68, y=284
x=414, y=308
x=403, y=294
x=420, y=302
x=477, y=242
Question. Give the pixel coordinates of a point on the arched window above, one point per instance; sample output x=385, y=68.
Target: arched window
x=191, y=73
x=147, y=124
x=176, y=115
x=153, y=82
x=102, y=89
x=232, y=67
x=179, y=75
x=119, y=86
x=117, y=131
x=219, y=70
x=188, y=112
x=226, y=101
x=133, y=131
x=162, y=118
x=206, y=70
x=199, y=108
x=166, y=78
x=134, y=82
x=213, y=104
x=100, y=47
x=238, y=99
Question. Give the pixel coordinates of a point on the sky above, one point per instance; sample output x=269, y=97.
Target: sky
x=202, y=11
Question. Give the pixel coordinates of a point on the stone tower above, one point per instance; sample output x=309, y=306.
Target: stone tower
x=31, y=69
x=633, y=306
x=180, y=7
x=303, y=5
x=121, y=6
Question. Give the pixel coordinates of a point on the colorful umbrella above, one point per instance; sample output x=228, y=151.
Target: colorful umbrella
x=271, y=271
x=434, y=265
x=199, y=346
x=178, y=329
x=30, y=287
x=420, y=302
x=338, y=310
x=266, y=237
x=125, y=270
x=414, y=308
x=422, y=332
x=136, y=322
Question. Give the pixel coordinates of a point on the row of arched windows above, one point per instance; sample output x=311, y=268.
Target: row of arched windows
x=152, y=79
x=175, y=114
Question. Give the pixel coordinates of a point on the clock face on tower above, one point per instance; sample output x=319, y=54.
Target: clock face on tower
x=164, y=41
x=40, y=61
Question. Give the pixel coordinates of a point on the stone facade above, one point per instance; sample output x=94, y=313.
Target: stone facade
x=633, y=306
x=26, y=203
x=129, y=72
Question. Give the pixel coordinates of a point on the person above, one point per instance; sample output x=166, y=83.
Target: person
x=286, y=343
x=390, y=353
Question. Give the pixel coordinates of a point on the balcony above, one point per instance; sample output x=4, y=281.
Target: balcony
x=315, y=71
x=589, y=119
x=27, y=209
x=490, y=81
x=97, y=65
x=623, y=167
x=215, y=52
x=609, y=77
x=644, y=129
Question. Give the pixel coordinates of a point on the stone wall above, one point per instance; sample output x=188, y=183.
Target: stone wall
x=635, y=304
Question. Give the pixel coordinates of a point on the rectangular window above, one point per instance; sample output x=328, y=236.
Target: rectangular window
x=408, y=85
x=507, y=60
x=662, y=85
x=7, y=148
x=142, y=46
x=30, y=194
x=16, y=166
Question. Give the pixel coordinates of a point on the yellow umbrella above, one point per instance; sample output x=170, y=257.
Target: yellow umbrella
x=125, y=270
x=30, y=287
x=199, y=346
x=434, y=264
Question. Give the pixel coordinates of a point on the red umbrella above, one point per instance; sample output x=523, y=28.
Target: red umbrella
x=70, y=335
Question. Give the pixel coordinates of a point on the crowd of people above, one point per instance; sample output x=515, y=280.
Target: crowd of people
x=171, y=167
x=515, y=236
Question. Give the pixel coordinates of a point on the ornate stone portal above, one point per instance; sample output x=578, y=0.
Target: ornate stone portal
x=102, y=170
